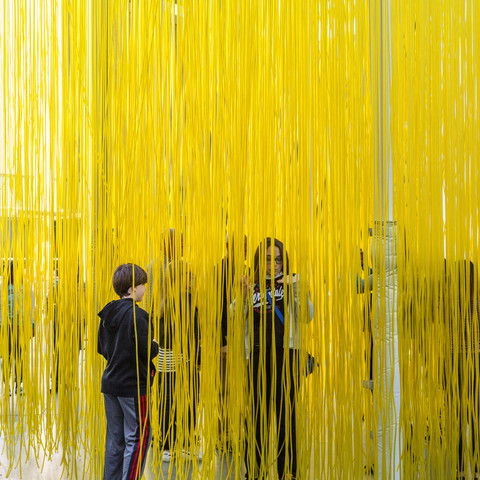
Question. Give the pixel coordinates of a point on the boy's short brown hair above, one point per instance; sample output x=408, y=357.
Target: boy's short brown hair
x=128, y=275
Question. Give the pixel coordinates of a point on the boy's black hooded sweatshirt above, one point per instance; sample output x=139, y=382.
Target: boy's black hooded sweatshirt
x=117, y=343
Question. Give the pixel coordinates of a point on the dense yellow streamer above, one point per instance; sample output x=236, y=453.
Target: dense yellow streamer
x=313, y=122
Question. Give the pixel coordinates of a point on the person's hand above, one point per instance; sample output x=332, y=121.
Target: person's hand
x=292, y=280
x=223, y=352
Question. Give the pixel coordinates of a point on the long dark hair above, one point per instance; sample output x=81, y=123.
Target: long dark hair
x=260, y=255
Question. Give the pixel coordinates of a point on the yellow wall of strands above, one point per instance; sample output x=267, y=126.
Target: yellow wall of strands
x=310, y=121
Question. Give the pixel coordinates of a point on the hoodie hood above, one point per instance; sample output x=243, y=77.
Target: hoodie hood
x=114, y=312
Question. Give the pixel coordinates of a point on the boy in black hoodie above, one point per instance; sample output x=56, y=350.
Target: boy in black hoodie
x=125, y=340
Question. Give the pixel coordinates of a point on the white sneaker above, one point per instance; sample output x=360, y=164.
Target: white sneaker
x=167, y=455
x=187, y=455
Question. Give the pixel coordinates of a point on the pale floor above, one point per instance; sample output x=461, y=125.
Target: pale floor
x=51, y=469
x=222, y=467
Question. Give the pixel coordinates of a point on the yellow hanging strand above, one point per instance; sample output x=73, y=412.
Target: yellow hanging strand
x=333, y=126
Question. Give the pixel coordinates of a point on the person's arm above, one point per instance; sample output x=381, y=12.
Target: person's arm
x=246, y=287
x=145, y=341
x=229, y=311
x=196, y=332
x=365, y=284
x=159, y=307
x=100, y=343
x=296, y=298
x=221, y=275
x=11, y=302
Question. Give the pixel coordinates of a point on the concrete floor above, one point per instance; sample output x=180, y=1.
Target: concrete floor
x=52, y=470
x=221, y=466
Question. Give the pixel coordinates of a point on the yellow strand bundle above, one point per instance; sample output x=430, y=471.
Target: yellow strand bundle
x=149, y=132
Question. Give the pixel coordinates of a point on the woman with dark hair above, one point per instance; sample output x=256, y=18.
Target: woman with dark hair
x=272, y=344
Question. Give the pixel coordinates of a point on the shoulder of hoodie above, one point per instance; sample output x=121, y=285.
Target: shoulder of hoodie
x=139, y=311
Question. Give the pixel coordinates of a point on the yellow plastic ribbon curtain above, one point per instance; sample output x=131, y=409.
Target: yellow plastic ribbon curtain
x=152, y=132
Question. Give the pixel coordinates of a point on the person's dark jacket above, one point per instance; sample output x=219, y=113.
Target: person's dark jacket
x=224, y=299
x=181, y=318
x=122, y=333
x=223, y=274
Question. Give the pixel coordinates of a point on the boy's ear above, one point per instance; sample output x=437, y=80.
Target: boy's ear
x=131, y=290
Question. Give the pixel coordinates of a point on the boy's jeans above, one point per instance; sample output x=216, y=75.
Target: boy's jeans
x=128, y=437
